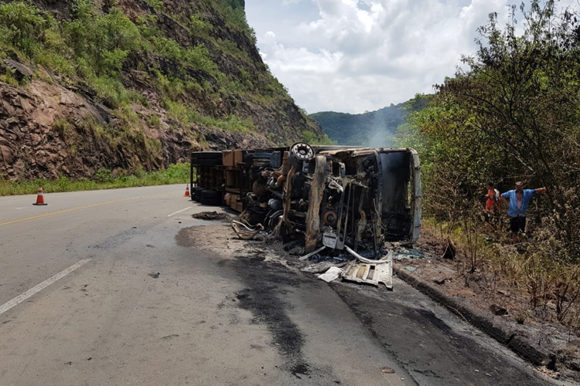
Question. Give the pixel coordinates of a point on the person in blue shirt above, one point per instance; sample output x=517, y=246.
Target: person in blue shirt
x=518, y=200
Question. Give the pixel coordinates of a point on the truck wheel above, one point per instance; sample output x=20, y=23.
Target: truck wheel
x=210, y=197
x=196, y=193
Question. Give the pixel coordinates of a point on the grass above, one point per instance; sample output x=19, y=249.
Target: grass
x=542, y=287
x=103, y=179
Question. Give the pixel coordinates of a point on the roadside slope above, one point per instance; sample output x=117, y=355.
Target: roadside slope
x=86, y=86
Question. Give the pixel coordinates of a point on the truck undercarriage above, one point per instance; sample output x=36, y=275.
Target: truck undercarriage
x=340, y=201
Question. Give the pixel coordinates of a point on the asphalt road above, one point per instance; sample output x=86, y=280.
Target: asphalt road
x=124, y=287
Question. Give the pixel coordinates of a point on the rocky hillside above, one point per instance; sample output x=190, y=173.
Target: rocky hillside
x=133, y=84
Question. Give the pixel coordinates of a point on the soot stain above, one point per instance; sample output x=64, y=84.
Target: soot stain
x=263, y=297
x=185, y=237
x=117, y=239
x=421, y=315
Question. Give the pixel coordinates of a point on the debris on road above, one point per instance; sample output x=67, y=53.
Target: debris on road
x=387, y=370
x=331, y=274
x=401, y=253
x=322, y=266
x=154, y=275
x=210, y=215
x=370, y=273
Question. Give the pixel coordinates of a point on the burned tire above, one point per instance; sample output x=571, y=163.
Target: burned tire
x=196, y=193
x=207, y=158
x=210, y=197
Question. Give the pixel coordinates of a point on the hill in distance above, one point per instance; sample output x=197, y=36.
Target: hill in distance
x=374, y=129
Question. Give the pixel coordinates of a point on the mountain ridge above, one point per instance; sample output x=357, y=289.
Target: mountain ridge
x=374, y=128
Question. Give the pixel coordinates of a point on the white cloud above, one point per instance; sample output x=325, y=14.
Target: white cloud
x=362, y=55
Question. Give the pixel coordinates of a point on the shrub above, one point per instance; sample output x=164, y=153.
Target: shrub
x=104, y=41
x=157, y=5
x=23, y=26
x=104, y=175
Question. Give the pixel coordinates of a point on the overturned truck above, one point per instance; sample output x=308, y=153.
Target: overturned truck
x=337, y=201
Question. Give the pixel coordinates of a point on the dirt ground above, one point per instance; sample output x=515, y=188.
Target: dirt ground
x=503, y=303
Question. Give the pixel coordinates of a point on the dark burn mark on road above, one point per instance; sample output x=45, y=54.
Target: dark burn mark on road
x=186, y=237
x=425, y=345
x=118, y=239
x=422, y=316
x=263, y=297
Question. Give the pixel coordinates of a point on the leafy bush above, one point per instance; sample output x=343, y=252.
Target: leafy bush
x=103, y=40
x=157, y=5
x=199, y=27
x=23, y=27
x=111, y=91
x=104, y=175
x=314, y=139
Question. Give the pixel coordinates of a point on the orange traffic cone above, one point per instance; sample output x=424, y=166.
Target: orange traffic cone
x=39, y=197
x=186, y=191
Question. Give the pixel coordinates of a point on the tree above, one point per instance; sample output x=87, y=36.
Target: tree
x=513, y=114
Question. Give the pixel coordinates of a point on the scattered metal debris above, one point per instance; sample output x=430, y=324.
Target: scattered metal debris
x=407, y=254
x=370, y=273
x=338, y=203
x=331, y=274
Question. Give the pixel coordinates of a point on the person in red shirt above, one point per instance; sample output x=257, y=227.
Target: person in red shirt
x=491, y=203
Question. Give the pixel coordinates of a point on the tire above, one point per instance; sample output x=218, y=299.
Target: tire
x=210, y=197
x=196, y=193
x=207, y=158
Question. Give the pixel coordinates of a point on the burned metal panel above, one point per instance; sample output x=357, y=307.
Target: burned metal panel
x=317, y=187
x=417, y=196
x=397, y=208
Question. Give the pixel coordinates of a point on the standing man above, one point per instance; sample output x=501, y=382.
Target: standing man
x=518, y=199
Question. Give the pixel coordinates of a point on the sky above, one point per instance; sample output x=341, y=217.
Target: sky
x=355, y=56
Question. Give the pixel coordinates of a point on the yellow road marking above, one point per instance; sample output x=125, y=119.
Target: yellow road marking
x=62, y=211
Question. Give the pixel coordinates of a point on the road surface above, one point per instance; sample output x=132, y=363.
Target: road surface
x=124, y=287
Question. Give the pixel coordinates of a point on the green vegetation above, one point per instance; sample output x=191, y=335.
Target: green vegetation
x=511, y=115
x=184, y=115
x=313, y=139
x=103, y=179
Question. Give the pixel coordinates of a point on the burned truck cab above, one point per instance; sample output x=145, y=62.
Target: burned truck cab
x=353, y=197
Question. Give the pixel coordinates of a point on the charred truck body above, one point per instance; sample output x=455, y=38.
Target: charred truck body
x=342, y=199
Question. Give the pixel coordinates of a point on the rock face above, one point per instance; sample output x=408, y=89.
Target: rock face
x=55, y=124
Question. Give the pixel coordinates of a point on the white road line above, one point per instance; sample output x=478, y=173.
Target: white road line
x=179, y=211
x=39, y=287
